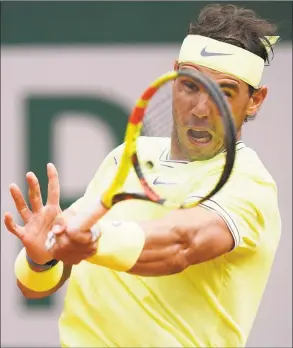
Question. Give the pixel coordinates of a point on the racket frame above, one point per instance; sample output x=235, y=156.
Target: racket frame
x=130, y=159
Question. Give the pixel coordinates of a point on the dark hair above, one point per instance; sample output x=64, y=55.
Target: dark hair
x=237, y=26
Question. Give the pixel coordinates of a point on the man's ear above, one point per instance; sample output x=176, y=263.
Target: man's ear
x=176, y=65
x=256, y=101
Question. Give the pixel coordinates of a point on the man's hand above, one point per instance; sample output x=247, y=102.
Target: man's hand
x=71, y=239
x=72, y=245
x=39, y=219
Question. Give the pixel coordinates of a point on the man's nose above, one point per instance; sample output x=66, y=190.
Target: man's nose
x=202, y=106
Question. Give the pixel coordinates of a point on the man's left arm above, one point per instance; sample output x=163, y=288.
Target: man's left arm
x=180, y=239
x=234, y=218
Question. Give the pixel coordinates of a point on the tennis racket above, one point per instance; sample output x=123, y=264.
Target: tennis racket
x=157, y=100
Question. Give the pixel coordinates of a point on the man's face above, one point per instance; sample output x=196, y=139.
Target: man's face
x=197, y=128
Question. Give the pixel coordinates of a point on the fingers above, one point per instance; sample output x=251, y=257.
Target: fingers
x=81, y=237
x=53, y=185
x=76, y=237
x=73, y=259
x=34, y=192
x=64, y=249
x=20, y=203
x=83, y=242
x=12, y=226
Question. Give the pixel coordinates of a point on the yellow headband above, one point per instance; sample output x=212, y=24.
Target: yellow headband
x=222, y=57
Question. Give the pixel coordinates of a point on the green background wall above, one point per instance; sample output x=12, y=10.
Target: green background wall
x=53, y=22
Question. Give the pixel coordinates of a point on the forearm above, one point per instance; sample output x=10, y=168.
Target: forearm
x=164, y=250
x=30, y=294
x=164, y=246
x=181, y=239
x=159, y=247
x=169, y=241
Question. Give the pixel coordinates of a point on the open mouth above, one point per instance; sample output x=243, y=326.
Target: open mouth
x=199, y=136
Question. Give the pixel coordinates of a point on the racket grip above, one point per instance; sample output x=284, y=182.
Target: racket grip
x=87, y=219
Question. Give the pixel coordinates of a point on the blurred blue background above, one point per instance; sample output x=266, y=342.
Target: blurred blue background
x=70, y=73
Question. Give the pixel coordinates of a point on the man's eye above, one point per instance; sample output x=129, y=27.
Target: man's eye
x=228, y=94
x=189, y=86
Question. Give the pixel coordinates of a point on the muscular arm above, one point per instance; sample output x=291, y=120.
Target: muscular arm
x=37, y=295
x=180, y=239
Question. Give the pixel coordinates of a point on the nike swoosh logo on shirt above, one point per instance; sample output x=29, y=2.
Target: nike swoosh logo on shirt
x=116, y=223
x=204, y=53
x=157, y=181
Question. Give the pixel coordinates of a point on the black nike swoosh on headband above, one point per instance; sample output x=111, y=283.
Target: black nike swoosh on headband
x=204, y=53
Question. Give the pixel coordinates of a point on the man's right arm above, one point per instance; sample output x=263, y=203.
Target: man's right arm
x=94, y=189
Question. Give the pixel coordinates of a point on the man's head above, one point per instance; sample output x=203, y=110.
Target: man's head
x=193, y=111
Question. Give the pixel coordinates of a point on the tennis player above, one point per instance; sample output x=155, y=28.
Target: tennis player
x=145, y=276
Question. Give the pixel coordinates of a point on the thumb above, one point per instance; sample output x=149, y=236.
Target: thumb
x=12, y=226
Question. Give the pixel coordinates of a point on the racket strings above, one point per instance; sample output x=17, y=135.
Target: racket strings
x=158, y=115
x=158, y=120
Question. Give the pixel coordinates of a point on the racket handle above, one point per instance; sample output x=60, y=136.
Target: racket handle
x=88, y=219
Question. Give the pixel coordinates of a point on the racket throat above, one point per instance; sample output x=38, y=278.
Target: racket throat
x=149, y=192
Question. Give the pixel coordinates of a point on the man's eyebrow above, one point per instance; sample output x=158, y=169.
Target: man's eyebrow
x=234, y=86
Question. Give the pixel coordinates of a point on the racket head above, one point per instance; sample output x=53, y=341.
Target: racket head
x=136, y=126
